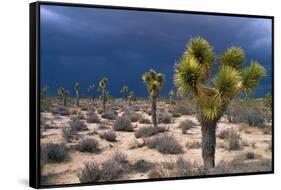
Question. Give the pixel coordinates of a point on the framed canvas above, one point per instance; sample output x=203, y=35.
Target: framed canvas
x=121, y=94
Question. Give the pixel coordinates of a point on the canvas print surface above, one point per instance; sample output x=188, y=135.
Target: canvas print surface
x=132, y=95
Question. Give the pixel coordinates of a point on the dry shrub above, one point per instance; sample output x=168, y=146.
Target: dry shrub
x=165, y=144
x=142, y=166
x=184, y=109
x=148, y=131
x=77, y=125
x=92, y=117
x=186, y=125
x=164, y=118
x=123, y=123
x=181, y=168
x=108, y=135
x=105, y=171
x=111, y=115
x=61, y=110
x=233, y=140
x=51, y=152
x=144, y=120
x=88, y=145
x=193, y=144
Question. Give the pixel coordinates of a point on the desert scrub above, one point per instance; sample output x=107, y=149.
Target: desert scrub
x=186, y=125
x=144, y=120
x=165, y=144
x=67, y=133
x=51, y=152
x=77, y=125
x=92, y=117
x=250, y=155
x=108, y=170
x=108, y=135
x=149, y=131
x=164, y=118
x=193, y=144
x=183, y=110
x=111, y=115
x=90, y=172
x=142, y=166
x=61, y=110
x=233, y=140
x=183, y=168
x=88, y=145
x=177, y=168
x=123, y=123
x=133, y=116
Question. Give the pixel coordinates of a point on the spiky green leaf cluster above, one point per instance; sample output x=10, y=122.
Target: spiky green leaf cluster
x=201, y=50
x=154, y=82
x=62, y=92
x=102, y=83
x=193, y=69
x=251, y=76
x=233, y=57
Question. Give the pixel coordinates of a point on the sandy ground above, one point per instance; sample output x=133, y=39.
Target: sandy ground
x=253, y=139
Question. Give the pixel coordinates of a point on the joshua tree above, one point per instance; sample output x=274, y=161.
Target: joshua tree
x=171, y=95
x=131, y=96
x=63, y=93
x=77, y=90
x=102, y=85
x=154, y=82
x=92, y=88
x=125, y=91
x=213, y=96
x=44, y=91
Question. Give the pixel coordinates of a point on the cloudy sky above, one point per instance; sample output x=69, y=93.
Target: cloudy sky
x=83, y=45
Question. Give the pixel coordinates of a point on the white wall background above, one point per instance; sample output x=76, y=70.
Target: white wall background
x=14, y=95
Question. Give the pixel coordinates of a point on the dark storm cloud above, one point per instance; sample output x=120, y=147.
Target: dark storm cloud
x=86, y=44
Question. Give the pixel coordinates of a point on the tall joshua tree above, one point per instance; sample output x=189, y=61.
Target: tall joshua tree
x=102, y=85
x=213, y=96
x=77, y=90
x=154, y=82
x=92, y=88
x=125, y=91
x=131, y=97
x=63, y=94
x=44, y=91
x=171, y=95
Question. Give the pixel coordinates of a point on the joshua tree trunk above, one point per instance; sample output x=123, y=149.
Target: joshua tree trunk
x=208, y=130
x=77, y=99
x=93, y=98
x=170, y=99
x=103, y=101
x=153, y=110
x=64, y=101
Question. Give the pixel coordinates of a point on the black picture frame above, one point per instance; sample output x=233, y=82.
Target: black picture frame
x=34, y=91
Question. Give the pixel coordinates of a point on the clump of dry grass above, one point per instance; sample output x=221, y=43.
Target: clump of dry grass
x=108, y=170
x=165, y=144
x=193, y=144
x=164, y=118
x=231, y=138
x=52, y=152
x=111, y=115
x=148, y=131
x=77, y=125
x=88, y=145
x=186, y=125
x=123, y=123
x=108, y=135
x=92, y=117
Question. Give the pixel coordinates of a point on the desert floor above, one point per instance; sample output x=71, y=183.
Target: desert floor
x=253, y=154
